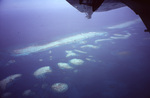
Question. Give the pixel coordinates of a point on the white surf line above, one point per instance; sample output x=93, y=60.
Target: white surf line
x=126, y=24
x=68, y=40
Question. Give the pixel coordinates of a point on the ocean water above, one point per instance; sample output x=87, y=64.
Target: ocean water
x=103, y=57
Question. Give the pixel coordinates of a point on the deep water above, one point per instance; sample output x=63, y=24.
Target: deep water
x=118, y=68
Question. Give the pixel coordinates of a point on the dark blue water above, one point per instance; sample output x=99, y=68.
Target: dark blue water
x=120, y=68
